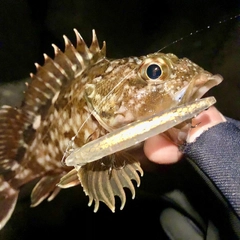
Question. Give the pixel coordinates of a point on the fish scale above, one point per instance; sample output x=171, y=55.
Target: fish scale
x=78, y=97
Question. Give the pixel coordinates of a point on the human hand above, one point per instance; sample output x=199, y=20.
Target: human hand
x=161, y=150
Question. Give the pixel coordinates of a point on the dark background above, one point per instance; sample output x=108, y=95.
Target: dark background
x=130, y=27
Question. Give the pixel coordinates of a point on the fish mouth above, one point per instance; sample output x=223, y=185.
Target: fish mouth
x=198, y=86
x=204, y=82
x=195, y=90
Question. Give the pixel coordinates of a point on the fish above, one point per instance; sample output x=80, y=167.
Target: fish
x=76, y=97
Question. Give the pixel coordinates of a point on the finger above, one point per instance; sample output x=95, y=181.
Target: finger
x=161, y=150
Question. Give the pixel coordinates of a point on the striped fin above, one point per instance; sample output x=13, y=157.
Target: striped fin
x=102, y=181
x=8, y=199
x=69, y=180
x=11, y=151
x=45, y=188
x=56, y=73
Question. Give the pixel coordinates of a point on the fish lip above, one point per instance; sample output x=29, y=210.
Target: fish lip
x=204, y=82
x=197, y=87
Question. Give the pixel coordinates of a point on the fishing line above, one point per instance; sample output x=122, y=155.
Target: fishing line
x=199, y=31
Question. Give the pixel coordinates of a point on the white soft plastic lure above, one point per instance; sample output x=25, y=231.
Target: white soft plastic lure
x=136, y=132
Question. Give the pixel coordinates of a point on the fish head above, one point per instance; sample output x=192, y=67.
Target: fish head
x=133, y=88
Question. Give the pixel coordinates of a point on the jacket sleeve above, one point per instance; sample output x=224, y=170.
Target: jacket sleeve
x=216, y=152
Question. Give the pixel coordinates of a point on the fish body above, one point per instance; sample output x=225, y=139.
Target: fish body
x=77, y=97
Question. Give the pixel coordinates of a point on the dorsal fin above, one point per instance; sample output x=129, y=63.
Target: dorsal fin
x=57, y=72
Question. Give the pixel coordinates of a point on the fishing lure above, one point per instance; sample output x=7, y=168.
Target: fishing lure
x=136, y=132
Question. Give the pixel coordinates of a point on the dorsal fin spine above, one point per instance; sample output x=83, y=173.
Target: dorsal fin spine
x=81, y=45
x=95, y=45
x=57, y=68
x=67, y=42
x=103, y=50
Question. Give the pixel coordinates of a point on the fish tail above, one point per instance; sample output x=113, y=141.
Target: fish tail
x=12, y=148
x=8, y=200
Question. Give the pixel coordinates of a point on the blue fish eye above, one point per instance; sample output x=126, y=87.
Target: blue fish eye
x=154, y=71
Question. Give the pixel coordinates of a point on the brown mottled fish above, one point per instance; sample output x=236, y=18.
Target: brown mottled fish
x=75, y=98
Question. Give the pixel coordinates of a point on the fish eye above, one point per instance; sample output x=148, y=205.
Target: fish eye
x=153, y=71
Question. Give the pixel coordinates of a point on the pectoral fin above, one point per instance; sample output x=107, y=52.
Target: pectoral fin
x=104, y=179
